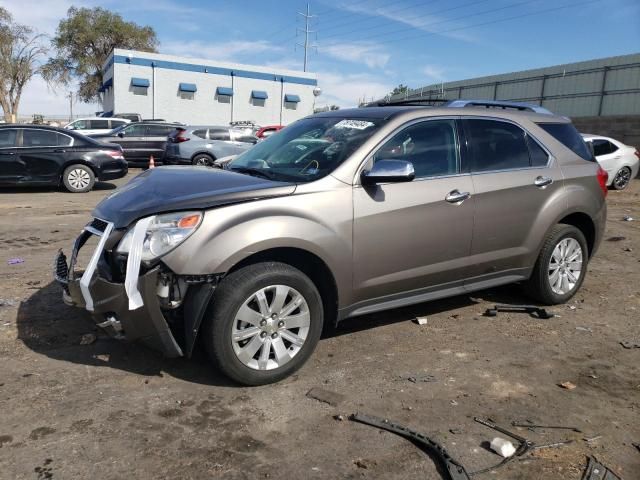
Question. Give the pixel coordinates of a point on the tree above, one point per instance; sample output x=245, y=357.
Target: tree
x=20, y=50
x=400, y=89
x=83, y=42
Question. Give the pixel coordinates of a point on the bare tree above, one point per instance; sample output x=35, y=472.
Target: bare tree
x=20, y=49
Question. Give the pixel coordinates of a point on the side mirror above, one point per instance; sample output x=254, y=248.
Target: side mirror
x=121, y=134
x=388, y=171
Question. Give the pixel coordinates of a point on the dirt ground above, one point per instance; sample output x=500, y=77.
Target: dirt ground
x=111, y=410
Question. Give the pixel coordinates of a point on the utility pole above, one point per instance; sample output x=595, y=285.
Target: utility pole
x=70, y=106
x=306, y=32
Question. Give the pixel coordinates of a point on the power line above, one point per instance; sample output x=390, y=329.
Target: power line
x=440, y=22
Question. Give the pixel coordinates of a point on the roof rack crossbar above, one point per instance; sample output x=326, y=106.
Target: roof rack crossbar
x=409, y=102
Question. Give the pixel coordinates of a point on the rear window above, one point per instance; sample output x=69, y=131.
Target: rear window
x=200, y=133
x=603, y=147
x=567, y=134
x=8, y=138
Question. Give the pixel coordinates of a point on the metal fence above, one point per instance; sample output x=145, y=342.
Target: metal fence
x=602, y=87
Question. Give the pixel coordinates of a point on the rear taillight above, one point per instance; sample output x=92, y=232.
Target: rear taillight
x=179, y=138
x=637, y=152
x=603, y=176
x=114, y=153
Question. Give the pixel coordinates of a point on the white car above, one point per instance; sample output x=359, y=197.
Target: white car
x=96, y=125
x=619, y=160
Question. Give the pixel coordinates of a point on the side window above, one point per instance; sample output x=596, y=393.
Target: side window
x=567, y=134
x=80, y=125
x=430, y=146
x=159, y=130
x=39, y=138
x=496, y=145
x=117, y=123
x=8, y=138
x=99, y=124
x=539, y=158
x=64, y=140
x=219, y=135
x=135, y=130
x=200, y=133
x=603, y=147
x=246, y=139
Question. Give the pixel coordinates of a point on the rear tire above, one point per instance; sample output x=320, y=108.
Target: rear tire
x=78, y=178
x=622, y=179
x=561, y=266
x=257, y=343
x=203, y=160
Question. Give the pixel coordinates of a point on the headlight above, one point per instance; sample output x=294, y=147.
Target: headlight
x=164, y=233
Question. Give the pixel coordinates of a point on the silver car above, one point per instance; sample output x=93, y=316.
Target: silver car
x=341, y=214
x=203, y=145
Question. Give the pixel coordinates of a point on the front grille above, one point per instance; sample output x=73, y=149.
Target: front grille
x=99, y=225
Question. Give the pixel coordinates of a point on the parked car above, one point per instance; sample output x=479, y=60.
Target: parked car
x=140, y=140
x=269, y=130
x=248, y=126
x=203, y=145
x=44, y=155
x=620, y=161
x=96, y=125
x=395, y=205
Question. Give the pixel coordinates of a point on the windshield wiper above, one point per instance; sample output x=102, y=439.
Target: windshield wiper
x=253, y=171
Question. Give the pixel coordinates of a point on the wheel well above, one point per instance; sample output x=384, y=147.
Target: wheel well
x=312, y=266
x=213, y=157
x=582, y=222
x=76, y=162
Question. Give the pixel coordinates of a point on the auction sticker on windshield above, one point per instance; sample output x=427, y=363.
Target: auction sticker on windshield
x=358, y=124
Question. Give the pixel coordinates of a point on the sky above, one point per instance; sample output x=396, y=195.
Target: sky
x=364, y=47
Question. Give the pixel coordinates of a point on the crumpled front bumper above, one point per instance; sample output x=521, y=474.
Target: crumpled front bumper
x=109, y=302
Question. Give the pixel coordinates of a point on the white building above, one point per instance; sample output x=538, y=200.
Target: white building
x=204, y=92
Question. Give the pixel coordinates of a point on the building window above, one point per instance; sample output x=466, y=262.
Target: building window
x=224, y=94
x=139, y=90
x=187, y=91
x=139, y=86
x=258, y=98
x=291, y=101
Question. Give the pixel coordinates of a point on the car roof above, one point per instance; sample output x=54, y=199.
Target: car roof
x=31, y=125
x=100, y=118
x=197, y=127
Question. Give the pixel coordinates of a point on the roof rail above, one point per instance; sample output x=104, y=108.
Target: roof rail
x=527, y=107
x=427, y=102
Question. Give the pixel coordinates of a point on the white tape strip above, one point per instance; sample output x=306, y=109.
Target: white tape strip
x=85, y=281
x=133, y=263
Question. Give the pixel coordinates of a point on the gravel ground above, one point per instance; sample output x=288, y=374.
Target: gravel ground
x=113, y=410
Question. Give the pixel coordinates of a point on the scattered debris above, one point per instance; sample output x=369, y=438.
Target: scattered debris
x=530, y=425
x=421, y=320
x=454, y=468
x=340, y=418
x=502, y=447
x=532, y=310
x=616, y=239
x=421, y=377
x=364, y=463
x=454, y=403
x=597, y=471
x=627, y=218
x=567, y=385
x=628, y=249
x=637, y=445
x=15, y=261
x=572, y=307
x=585, y=329
x=628, y=344
x=87, y=339
x=326, y=396
x=5, y=302
x=456, y=431
x=592, y=439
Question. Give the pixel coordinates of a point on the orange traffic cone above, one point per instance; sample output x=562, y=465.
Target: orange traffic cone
x=152, y=162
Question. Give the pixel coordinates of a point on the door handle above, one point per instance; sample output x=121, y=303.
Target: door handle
x=7, y=153
x=542, y=181
x=457, y=197
x=59, y=150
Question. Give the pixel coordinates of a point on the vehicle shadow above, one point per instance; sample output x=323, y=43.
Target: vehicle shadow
x=52, y=188
x=50, y=328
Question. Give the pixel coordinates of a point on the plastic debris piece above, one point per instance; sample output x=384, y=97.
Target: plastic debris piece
x=616, y=239
x=567, y=385
x=87, y=339
x=627, y=218
x=326, y=396
x=629, y=345
x=584, y=329
x=15, y=261
x=502, y=447
x=421, y=320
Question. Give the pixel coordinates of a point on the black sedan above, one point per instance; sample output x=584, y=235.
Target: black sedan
x=42, y=155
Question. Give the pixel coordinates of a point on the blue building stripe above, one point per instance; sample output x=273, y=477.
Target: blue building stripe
x=192, y=67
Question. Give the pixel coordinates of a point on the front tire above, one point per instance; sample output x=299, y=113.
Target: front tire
x=561, y=266
x=622, y=179
x=203, y=160
x=263, y=323
x=78, y=178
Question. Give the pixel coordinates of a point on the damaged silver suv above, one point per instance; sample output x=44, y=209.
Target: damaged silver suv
x=340, y=214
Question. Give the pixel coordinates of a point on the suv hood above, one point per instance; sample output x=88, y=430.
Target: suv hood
x=167, y=189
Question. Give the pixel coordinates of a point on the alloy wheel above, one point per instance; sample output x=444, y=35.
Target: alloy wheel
x=565, y=266
x=79, y=178
x=270, y=327
x=622, y=178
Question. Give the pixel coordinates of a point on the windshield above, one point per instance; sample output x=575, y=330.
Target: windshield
x=306, y=150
